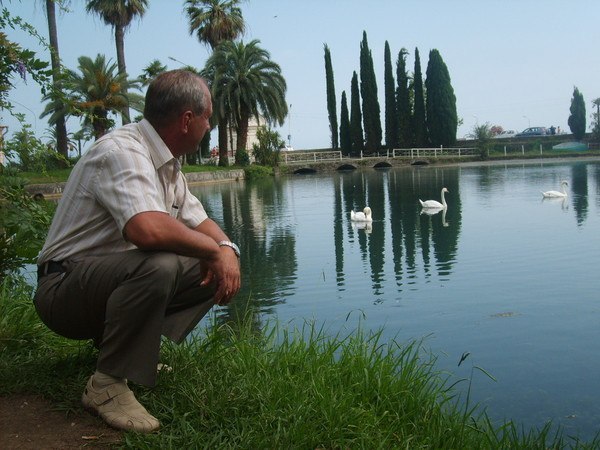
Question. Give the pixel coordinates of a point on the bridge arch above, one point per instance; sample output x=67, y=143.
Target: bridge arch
x=305, y=170
x=346, y=167
x=382, y=165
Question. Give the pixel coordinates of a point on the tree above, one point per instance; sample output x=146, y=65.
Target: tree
x=345, y=134
x=577, y=117
x=418, y=117
x=391, y=113
x=331, y=105
x=216, y=21
x=368, y=92
x=442, y=119
x=596, y=119
x=246, y=83
x=92, y=94
x=151, y=71
x=403, y=106
x=483, y=134
x=61, y=127
x=266, y=151
x=356, y=131
x=119, y=14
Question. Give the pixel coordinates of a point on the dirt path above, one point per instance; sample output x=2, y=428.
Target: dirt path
x=29, y=422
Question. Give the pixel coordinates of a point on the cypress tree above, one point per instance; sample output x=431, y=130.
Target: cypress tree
x=418, y=116
x=391, y=117
x=442, y=119
x=403, y=101
x=356, y=131
x=368, y=92
x=331, y=106
x=345, y=136
x=577, y=117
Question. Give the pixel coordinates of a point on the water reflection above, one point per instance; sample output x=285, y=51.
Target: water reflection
x=420, y=273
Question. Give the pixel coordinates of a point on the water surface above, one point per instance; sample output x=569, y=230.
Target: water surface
x=504, y=275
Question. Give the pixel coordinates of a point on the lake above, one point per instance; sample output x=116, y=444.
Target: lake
x=503, y=274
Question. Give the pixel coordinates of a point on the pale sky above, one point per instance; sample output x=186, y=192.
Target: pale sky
x=512, y=63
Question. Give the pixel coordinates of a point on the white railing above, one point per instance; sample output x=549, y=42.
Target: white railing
x=299, y=156
x=296, y=156
x=434, y=152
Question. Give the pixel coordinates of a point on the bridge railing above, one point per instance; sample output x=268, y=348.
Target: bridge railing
x=300, y=156
x=297, y=156
x=434, y=152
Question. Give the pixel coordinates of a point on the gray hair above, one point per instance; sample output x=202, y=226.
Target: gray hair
x=172, y=93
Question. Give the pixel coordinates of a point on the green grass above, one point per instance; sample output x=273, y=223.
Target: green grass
x=61, y=175
x=240, y=387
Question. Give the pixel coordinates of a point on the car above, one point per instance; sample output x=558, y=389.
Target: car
x=506, y=134
x=533, y=131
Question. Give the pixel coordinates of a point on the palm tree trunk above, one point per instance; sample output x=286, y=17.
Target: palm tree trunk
x=61, y=127
x=120, y=41
x=242, y=131
x=223, y=158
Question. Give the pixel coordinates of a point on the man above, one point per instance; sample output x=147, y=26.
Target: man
x=131, y=255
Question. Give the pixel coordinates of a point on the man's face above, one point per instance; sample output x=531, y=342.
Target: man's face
x=200, y=124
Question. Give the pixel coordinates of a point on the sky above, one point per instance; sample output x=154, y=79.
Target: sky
x=512, y=63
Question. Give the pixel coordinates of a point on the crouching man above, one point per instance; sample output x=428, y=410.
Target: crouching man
x=131, y=254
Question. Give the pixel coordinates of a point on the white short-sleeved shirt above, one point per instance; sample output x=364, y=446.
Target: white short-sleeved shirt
x=126, y=172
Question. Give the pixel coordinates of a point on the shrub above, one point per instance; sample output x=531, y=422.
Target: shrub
x=266, y=152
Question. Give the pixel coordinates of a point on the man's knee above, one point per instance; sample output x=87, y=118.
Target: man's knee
x=162, y=267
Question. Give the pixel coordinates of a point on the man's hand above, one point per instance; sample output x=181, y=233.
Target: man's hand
x=224, y=272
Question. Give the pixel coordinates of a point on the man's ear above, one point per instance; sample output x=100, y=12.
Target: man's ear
x=185, y=120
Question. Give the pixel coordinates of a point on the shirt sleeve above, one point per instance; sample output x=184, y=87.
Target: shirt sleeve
x=191, y=212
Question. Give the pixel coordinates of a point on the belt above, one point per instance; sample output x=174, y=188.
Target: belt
x=50, y=267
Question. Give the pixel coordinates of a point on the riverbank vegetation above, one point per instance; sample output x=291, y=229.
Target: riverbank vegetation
x=235, y=386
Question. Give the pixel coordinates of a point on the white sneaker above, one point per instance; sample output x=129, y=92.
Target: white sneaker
x=118, y=407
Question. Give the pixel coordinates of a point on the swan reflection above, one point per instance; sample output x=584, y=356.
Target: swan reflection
x=563, y=201
x=433, y=211
x=366, y=226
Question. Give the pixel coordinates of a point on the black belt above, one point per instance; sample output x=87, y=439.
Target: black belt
x=50, y=267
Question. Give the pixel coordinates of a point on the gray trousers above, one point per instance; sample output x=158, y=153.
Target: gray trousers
x=125, y=302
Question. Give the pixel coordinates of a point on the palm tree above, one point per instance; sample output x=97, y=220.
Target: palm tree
x=216, y=21
x=246, y=83
x=93, y=93
x=119, y=14
x=61, y=127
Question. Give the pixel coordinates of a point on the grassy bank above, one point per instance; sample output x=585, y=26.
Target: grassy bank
x=238, y=387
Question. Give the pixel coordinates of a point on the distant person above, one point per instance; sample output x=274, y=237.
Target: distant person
x=552, y=130
x=131, y=254
x=558, y=130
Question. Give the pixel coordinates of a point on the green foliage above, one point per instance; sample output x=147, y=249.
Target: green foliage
x=255, y=172
x=345, y=133
x=242, y=158
x=370, y=103
x=403, y=101
x=32, y=154
x=577, y=117
x=266, y=151
x=391, y=110
x=483, y=134
x=331, y=103
x=596, y=120
x=356, y=130
x=419, y=126
x=442, y=119
x=24, y=223
x=16, y=61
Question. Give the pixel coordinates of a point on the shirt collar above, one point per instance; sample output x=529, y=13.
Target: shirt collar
x=159, y=152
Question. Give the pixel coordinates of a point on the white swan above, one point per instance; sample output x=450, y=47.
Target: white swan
x=557, y=194
x=364, y=216
x=435, y=203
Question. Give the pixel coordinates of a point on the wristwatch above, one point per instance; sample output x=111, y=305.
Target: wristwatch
x=230, y=244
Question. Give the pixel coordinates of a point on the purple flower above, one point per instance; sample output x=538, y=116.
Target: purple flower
x=22, y=70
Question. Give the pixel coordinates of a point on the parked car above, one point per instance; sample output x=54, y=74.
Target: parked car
x=533, y=131
x=506, y=134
